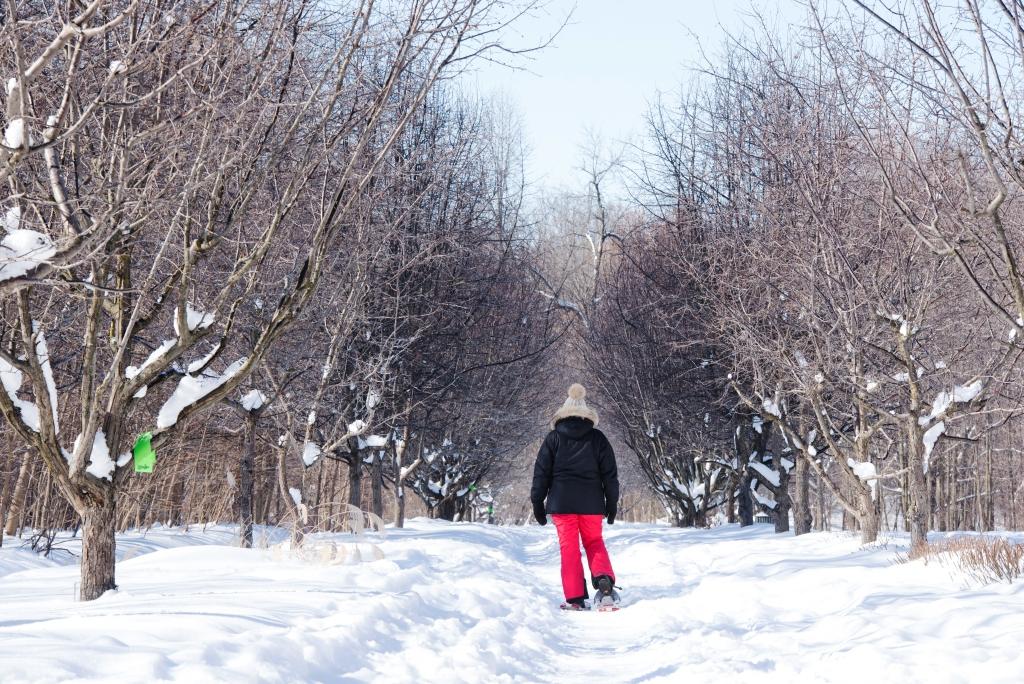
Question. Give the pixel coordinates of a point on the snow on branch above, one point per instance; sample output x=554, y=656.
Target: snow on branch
x=960, y=394
x=23, y=250
x=410, y=469
x=899, y=322
x=11, y=379
x=867, y=472
x=931, y=436
x=568, y=305
x=43, y=356
x=253, y=400
x=101, y=465
x=771, y=407
x=194, y=319
x=190, y=390
x=764, y=501
x=310, y=453
x=766, y=473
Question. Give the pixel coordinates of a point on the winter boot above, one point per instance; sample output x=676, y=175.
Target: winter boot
x=575, y=604
x=606, y=597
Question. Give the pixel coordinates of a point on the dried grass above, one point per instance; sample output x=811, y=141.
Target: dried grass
x=983, y=559
x=339, y=550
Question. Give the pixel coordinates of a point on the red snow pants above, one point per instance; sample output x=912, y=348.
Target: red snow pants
x=571, y=529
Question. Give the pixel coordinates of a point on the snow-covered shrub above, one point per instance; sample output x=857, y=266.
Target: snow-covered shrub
x=447, y=479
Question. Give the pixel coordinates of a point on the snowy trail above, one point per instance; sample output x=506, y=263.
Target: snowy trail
x=472, y=603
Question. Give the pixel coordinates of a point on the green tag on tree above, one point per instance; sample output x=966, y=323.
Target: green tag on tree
x=143, y=453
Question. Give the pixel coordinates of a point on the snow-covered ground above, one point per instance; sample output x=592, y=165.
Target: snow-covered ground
x=475, y=603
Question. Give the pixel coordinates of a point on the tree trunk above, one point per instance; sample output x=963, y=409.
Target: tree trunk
x=324, y=497
x=399, y=452
x=905, y=506
x=377, y=483
x=783, y=503
x=400, y=505
x=950, y=490
x=823, y=521
x=989, y=520
x=334, y=505
x=802, y=498
x=41, y=505
x=868, y=520
x=246, y=479
x=355, y=482
x=780, y=514
x=267, y=496
x=918, y=513
x=15, y=511
x=687, y=517
x=1013, y=494
x=6, y=492
x=98, y=545
x=445, y=510
x=750, y=443
x=310, y=492
x=284, y=498
x=745, y=507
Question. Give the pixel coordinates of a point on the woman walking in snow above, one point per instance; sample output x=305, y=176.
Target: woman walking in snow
x=576, y=473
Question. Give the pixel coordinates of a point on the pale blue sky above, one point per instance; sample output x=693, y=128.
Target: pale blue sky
x=604, y=68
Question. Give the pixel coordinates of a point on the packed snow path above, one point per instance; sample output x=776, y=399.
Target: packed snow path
x=474, y=603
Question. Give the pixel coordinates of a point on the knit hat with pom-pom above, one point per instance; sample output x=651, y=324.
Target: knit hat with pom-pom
x=575, y=405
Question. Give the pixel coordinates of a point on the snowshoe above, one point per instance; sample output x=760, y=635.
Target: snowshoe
x=575, y=605
x=606, y=599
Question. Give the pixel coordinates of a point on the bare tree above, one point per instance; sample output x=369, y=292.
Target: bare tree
x=237, y=152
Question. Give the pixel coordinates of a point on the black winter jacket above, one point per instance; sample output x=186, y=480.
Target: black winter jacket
x=575, y=471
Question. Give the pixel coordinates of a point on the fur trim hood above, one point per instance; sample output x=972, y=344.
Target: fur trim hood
x=575, y=405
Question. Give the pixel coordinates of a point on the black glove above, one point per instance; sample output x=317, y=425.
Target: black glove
x=611, y=515
x=539, y=514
